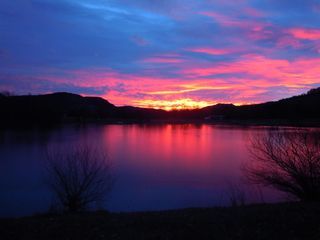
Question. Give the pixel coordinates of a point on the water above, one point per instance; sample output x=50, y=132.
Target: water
x=156, y=167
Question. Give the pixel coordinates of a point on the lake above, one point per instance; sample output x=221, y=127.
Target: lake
x=156, y=167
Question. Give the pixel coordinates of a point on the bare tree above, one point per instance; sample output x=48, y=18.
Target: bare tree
x=289, y=161
x=78, y=176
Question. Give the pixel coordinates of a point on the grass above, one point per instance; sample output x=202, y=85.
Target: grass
x=263, y=221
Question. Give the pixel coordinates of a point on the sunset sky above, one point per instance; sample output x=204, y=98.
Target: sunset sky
x=161, y=53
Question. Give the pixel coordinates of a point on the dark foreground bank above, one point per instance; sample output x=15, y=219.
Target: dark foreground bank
x=267, y=221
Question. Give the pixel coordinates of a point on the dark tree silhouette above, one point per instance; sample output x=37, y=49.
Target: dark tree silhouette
x=78, y=177
x=288, y=161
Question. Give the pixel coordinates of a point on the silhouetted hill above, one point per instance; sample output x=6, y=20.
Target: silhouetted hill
x=54, y=107
x=62, y=107
x=298, y=107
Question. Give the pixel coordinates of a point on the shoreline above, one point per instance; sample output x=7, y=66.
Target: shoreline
x=288, y=220
x=307, y=123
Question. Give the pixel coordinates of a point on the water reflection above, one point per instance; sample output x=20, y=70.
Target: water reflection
x=156, y=166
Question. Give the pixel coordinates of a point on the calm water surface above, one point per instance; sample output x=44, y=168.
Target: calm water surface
x=156, y=166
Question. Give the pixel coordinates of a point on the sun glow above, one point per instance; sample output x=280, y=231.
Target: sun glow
x=169, y=105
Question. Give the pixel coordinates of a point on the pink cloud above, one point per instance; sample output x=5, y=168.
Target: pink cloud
x=262, y=73
x=259, y=33
x=223, y=19
x=246, y=80
x=305, y=33
x=211, y=51
x=164, y=58
x=269, y=72
x=234, y=21
x=289, y=41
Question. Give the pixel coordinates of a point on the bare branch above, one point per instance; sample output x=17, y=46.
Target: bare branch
x=288, y=161
x=78, y=176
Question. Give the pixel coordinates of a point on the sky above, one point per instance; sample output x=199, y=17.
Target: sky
x=161, y=53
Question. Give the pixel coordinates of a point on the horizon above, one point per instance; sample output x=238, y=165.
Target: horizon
x=170, y=54
x=167, y=108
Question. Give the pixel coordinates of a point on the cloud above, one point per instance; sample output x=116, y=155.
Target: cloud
x=164, y=58
x=305, y=33
x=211, y=51
x=157, y=52
x=270, y=71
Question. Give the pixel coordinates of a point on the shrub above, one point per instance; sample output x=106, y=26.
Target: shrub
x=78, y=177
x=287, y=161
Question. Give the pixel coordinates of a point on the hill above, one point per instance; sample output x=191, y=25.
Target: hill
x=64, y=107
x=52, y=108
x=306, y=106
